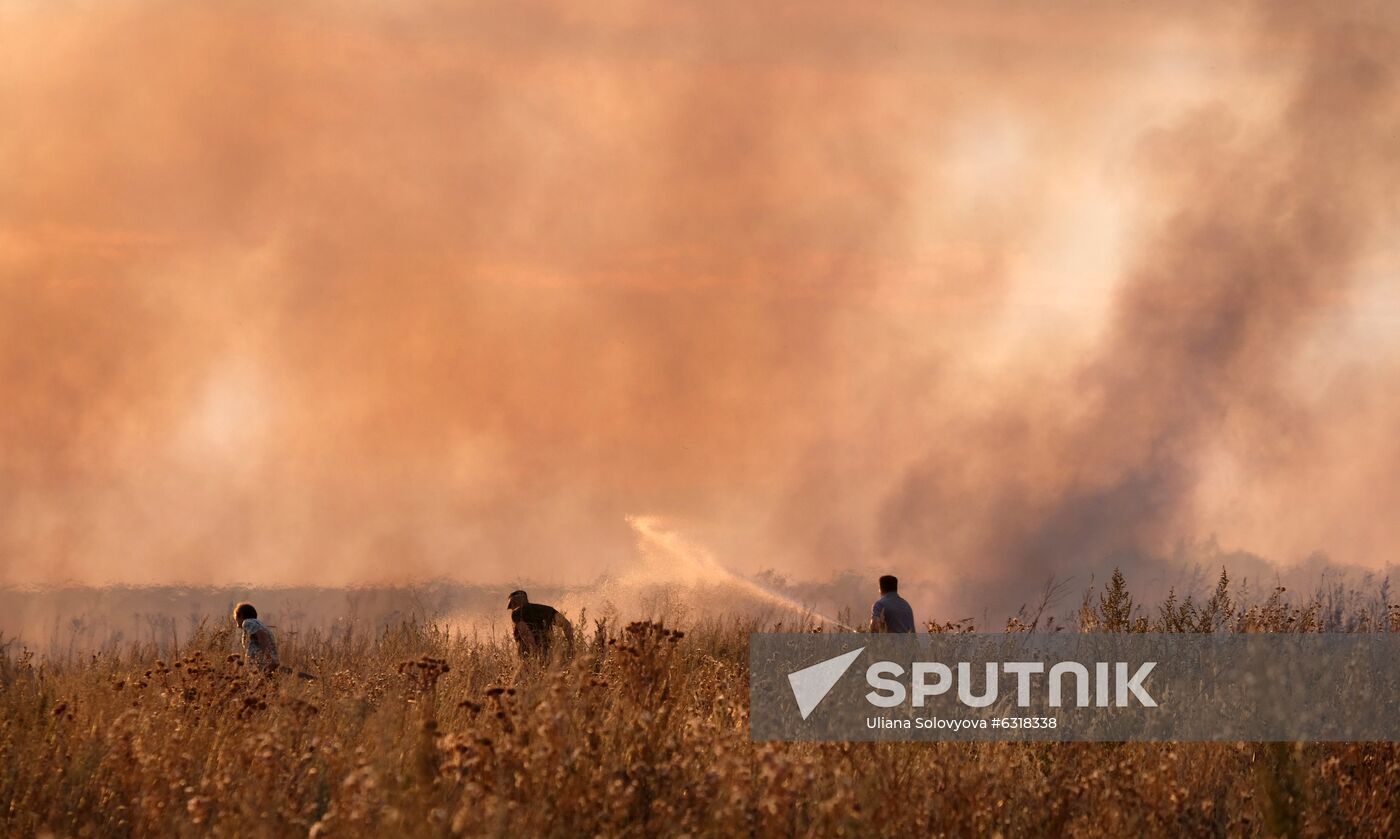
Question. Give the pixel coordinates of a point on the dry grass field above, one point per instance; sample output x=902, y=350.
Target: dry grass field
x=643, y=732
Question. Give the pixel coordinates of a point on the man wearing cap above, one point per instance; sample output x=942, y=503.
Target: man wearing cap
x=534, y=624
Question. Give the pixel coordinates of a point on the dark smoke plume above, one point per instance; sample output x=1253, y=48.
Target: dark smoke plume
x=329, y=294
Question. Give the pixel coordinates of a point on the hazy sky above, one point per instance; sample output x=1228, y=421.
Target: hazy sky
x=360, y=292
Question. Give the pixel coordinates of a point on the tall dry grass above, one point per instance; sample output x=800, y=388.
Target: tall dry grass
x=642, y=732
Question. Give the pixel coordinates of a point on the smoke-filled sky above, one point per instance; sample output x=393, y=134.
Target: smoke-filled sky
x=351, y=292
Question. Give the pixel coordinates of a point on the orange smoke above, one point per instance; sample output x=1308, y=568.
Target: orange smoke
x=329, y=294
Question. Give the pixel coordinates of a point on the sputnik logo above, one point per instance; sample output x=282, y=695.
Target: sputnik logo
x=810, y=685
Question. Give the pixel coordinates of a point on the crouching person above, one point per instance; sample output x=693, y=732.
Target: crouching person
x=259, y=647
x=534, y=625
